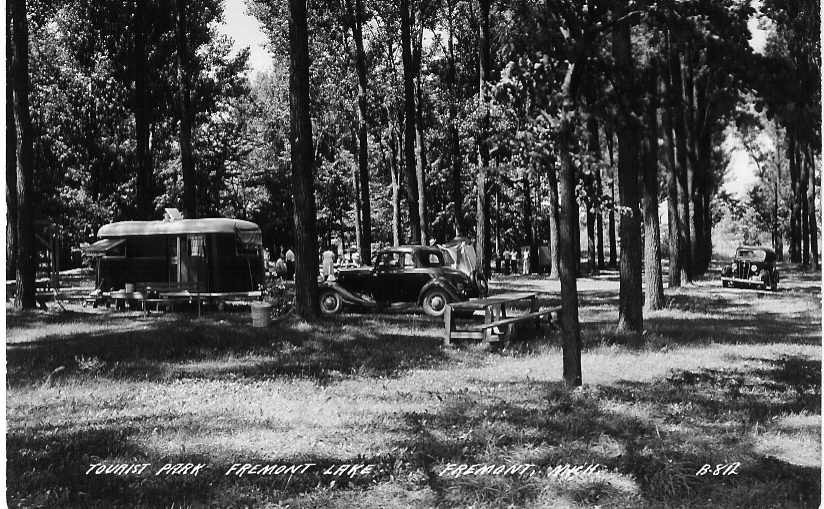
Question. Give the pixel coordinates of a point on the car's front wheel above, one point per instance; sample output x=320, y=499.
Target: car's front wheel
x=434, y=302
x=330, y=302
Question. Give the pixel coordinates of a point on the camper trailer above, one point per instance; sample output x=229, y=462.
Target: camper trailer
x=176, y=257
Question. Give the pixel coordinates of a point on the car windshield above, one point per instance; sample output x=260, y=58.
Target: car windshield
x=431, y=259
x=751, y=255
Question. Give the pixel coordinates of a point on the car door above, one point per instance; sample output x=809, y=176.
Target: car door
x=386, y=276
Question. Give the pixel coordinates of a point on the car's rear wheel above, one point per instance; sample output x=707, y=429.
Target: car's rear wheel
x=434, y=302
x=330, y=302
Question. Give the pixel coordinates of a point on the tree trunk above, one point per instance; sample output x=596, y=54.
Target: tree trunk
x=673, y=218
x=365, y=237
x=613, y=248
x=805, y=207
x=302, y=159
x=554, y=220
x=811, y=210
x=184, y=101
x=482, y=211
x=654, y=297
x=144, y=191
x=455, y=156
x=675, y=100
x=358, y=212
x=568, y=215
x=396, y=191
x=795, y=215
x=407, y=20
x=593, y=189
x=420, y=160
x=529, y=222
x=26, y=253
x=11, y=157
x=630, y=314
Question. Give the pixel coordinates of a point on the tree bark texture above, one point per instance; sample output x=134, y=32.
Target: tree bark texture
x=11, y=157
x=482, y=210
x=184, y=100
x=26, y=251
x=630, y=314
x=654, y=296
x=407, y=21
x=302, y=159
x=145, y=183
x=673, y=217
x=811, y=210
x=365, y=237
x=554, y=220
x=675, y=102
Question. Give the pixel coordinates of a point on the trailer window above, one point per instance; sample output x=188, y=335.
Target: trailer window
x=197, y=245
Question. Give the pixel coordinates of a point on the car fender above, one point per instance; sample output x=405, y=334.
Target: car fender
x=442, y=284
x=346, y=296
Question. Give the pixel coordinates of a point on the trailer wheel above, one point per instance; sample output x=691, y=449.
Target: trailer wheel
x=330, y=302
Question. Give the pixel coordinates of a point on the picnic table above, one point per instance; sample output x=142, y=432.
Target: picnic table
x=496, y=326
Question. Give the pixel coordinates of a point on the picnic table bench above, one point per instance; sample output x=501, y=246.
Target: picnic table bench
x=497, y=326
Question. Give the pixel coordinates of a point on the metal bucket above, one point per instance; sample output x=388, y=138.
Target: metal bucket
x=261, y=314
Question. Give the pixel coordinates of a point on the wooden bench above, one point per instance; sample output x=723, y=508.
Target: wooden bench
x=497, y=326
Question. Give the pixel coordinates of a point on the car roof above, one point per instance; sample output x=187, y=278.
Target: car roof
x=758, y=248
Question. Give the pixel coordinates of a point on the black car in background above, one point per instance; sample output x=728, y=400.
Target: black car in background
x=412, y=274
x=752, y=266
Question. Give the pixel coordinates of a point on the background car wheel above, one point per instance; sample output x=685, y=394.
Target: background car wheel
x=330, y=302
x=434, y=302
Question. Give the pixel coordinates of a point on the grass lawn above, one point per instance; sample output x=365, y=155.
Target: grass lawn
x=724, y=376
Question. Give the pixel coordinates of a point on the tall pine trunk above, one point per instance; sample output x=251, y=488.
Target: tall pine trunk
x=630, y=314
x=613, y=248
x=554, y=220
x=302, y=160
x=654, y=297
x=184, y=102
x=568, y=216
x=11, y=156
x=805, y=207
x=145, y=194
x=26, y=253
x=396, y=189
x=420, y=159
x=811, y=209
x=365, y=237
x=455, y=156
x=407, y=20
x=482, y=210
x=675, y=97
x=593, y=190
x=795, y=214
x=673, y=218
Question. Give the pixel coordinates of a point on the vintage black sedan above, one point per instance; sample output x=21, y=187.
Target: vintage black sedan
x=412, y=274
x=752, y=266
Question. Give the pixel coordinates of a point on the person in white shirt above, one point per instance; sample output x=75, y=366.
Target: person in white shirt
x=290, y=264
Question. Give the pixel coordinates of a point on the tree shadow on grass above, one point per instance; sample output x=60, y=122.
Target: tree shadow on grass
x=207, y=349
x=652, y=437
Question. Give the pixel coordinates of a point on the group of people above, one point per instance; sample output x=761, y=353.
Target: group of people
x=284, y=266
x=328, y=260
x=509, y=261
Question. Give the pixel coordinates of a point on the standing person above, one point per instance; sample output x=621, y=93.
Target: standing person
x=290, y=264
x=280, y=267
x=507, y=261
x=328, y=264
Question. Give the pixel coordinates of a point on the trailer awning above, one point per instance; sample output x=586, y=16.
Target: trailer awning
x=101, y=247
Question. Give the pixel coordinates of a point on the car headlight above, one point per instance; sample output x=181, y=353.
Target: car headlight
x=754, y=269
